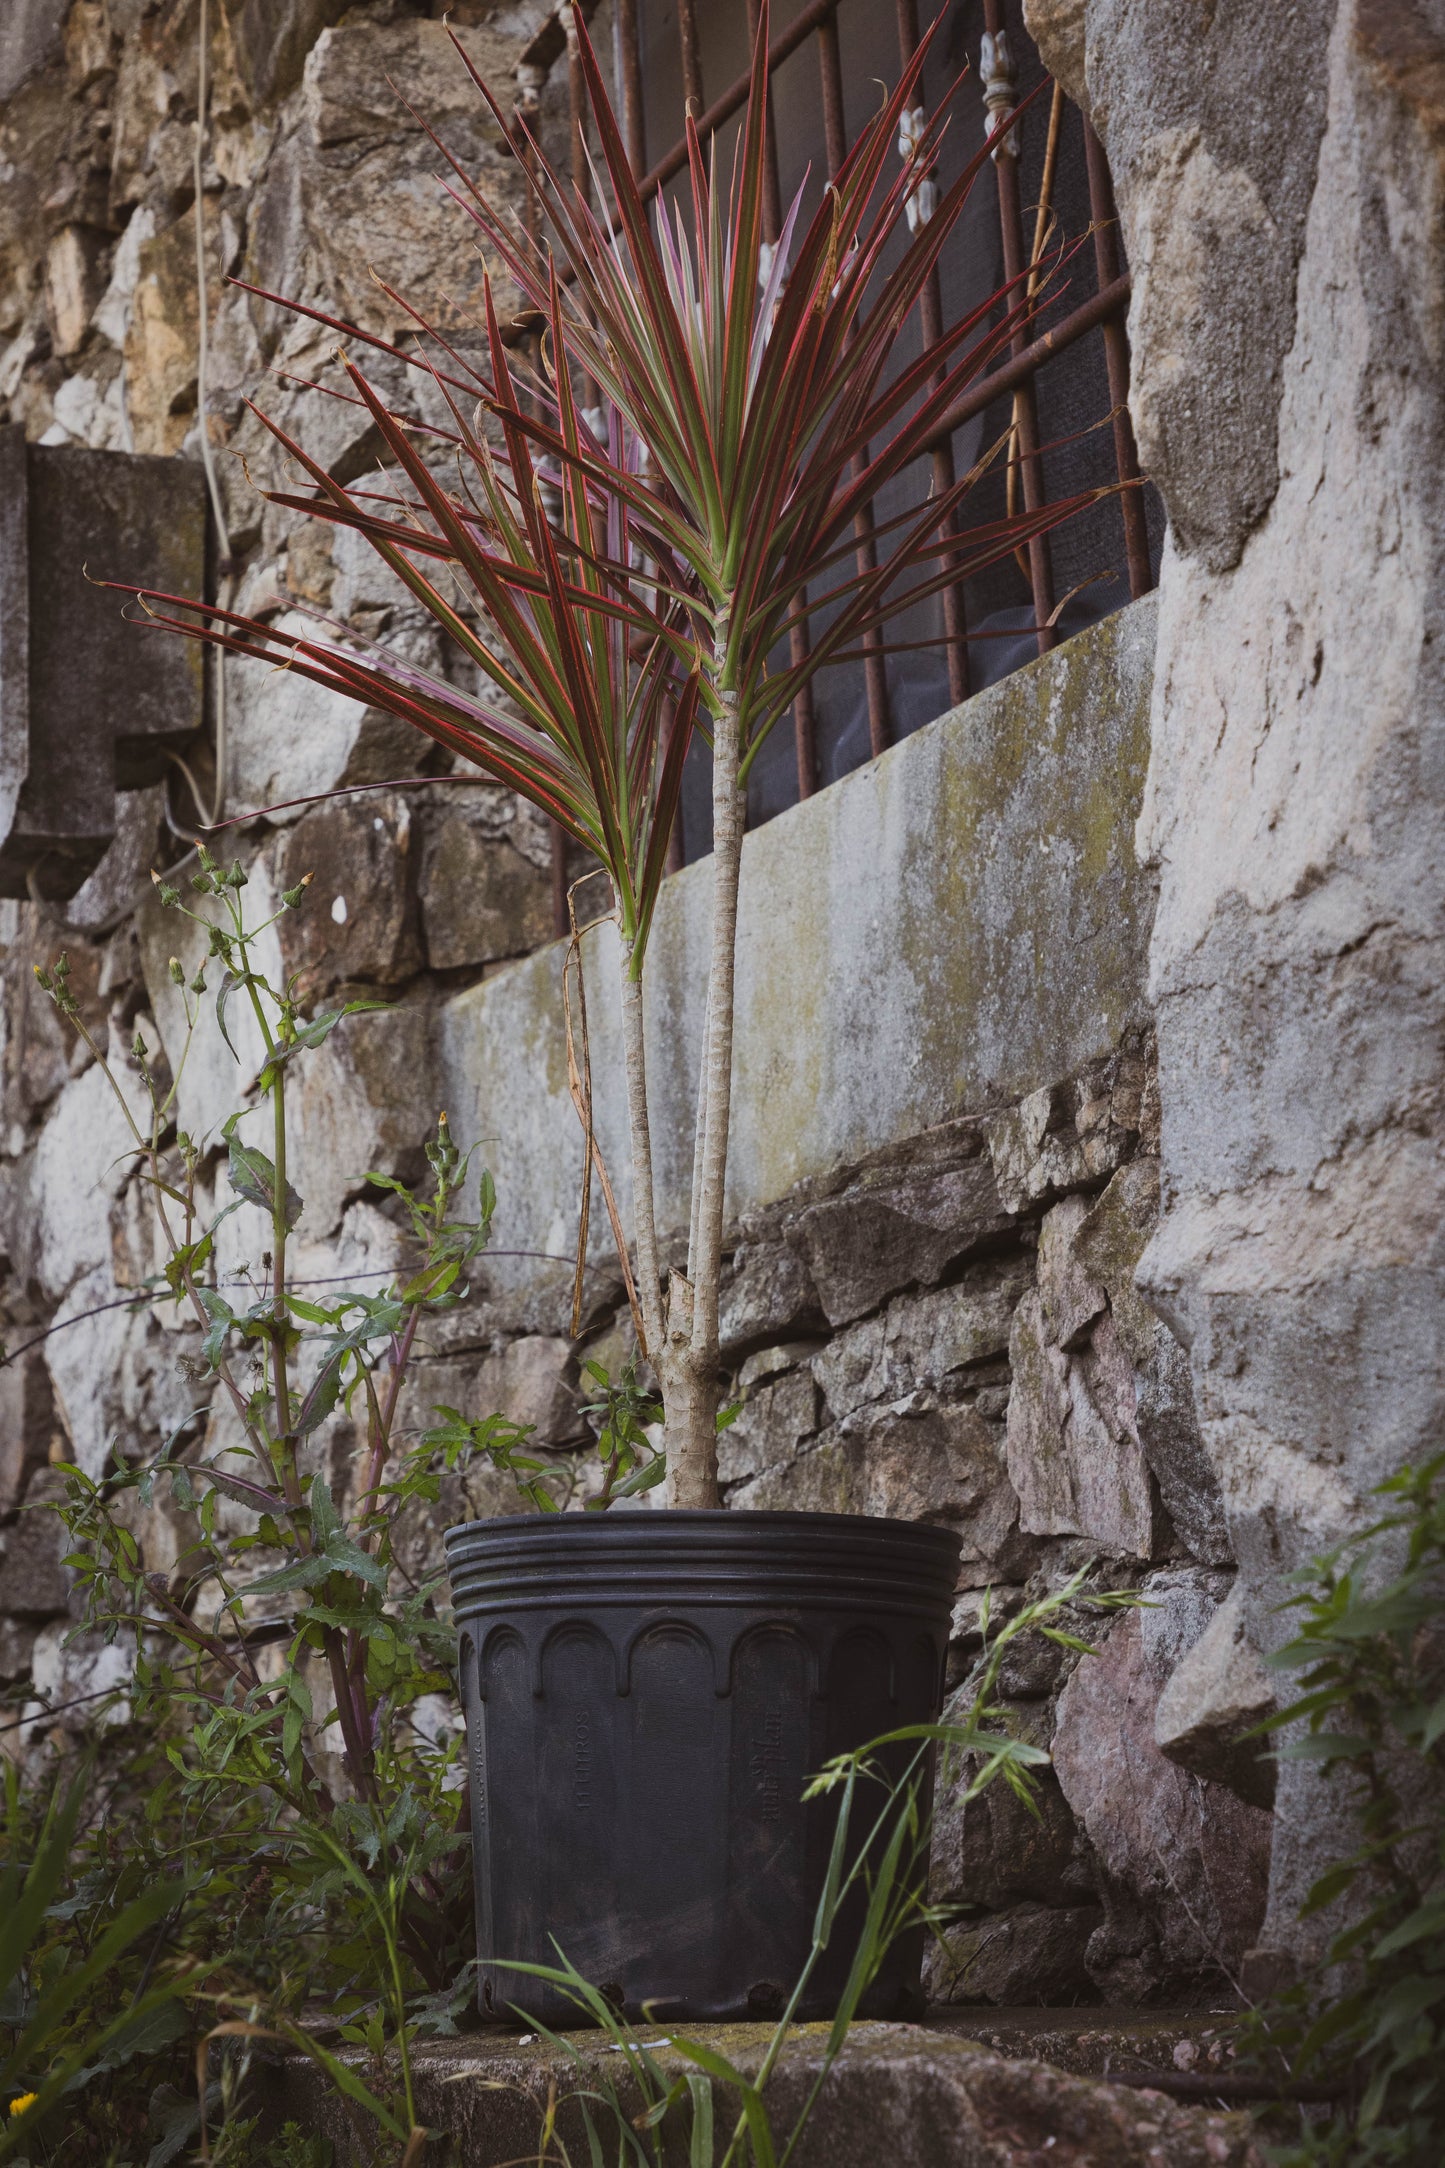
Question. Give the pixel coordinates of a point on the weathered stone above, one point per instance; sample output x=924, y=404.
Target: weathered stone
x=360, y=1104
x=216, y=1077
x=902, y=2093
x=27, y=1422
x=74, y=280
x=1187, y=1860
x=774, y=1421
x=1169, y=1432
x=1077, y=1444
x=920, y=1459
x=852, y=1369
x=85, y=1353
x=1098, y=2042
x=161, y=337
x=1107, y=1237
x=1014, y=1142
x=1109, y=1240
x=68, y=1674
x=38, y=1045
x=532, y=1380
x=34, y=1053
x=767, y=1293
x=1299, y=975
x=113, y=1374
x=17, y=1648
x=1057, y=28
x=1073, y=1451
x=90, y=411
x=358, y=921
x=965, y=1635
x=121, y=874
x=922, y=1339
x=991, y=1851
x=1032, y=1667
x=1033, y=1156
x=289, y=739
x=496, y=1309
x=356, y=78
x=33, y=36
x=862, y=1246
x=309, y=569
x=1038, y=1412
x=1111, y=1474
x=1182, y=1603
x=271, y=39
x=89, y=44
x=1028, y=1956
x=1214, y=198
x=482, y=899
x=354, y=190
x=1217, y=1693
x=1068, y=1135
x=78, y=1165
x=33, y=1582
x=1072, y=1298
x=144, y=161
x=931, y=1335
x=771, y=1362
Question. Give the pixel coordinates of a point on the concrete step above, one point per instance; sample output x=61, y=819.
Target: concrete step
x=970, y=2089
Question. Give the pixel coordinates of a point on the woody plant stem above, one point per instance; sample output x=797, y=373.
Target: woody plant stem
x=681, y=1320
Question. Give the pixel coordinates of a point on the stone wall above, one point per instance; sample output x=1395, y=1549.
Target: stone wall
x=1282, y=204
x=949, y=1149
x=316, y=183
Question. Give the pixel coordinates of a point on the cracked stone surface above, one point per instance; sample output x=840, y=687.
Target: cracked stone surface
x=907, y=2093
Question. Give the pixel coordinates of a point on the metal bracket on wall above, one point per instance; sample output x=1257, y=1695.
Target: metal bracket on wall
x=88, y=703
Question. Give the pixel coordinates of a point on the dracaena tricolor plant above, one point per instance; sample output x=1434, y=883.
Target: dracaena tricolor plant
x=635, y=565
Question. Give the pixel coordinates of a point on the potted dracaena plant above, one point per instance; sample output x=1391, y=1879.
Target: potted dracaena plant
x=633, y=572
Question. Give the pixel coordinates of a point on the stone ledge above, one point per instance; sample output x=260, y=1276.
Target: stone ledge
x=923, y=2096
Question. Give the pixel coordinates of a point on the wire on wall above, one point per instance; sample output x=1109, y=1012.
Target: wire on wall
x=225, y=568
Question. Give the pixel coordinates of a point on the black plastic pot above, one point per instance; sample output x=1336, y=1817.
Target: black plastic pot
x=646, y=1695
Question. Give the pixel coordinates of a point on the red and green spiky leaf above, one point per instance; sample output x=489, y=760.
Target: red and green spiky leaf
x=608, y=583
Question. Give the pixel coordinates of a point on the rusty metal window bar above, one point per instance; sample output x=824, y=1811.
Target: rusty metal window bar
x=1060, y=398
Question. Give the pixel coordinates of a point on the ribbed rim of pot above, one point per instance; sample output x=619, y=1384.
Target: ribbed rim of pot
x=546, y=1561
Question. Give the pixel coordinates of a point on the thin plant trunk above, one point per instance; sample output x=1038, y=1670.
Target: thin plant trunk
x=644, y=1212
x=692, y=1439
x=667, y=1319
x=682, y=1325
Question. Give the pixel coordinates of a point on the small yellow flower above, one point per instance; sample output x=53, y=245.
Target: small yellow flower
x=22, y=2101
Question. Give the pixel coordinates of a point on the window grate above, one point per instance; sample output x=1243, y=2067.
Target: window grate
x=1061, y=396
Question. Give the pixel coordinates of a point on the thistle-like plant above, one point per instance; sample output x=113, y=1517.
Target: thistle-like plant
x=635, y=569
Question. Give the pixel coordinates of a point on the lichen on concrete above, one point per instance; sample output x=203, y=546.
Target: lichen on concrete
x=932, y=936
